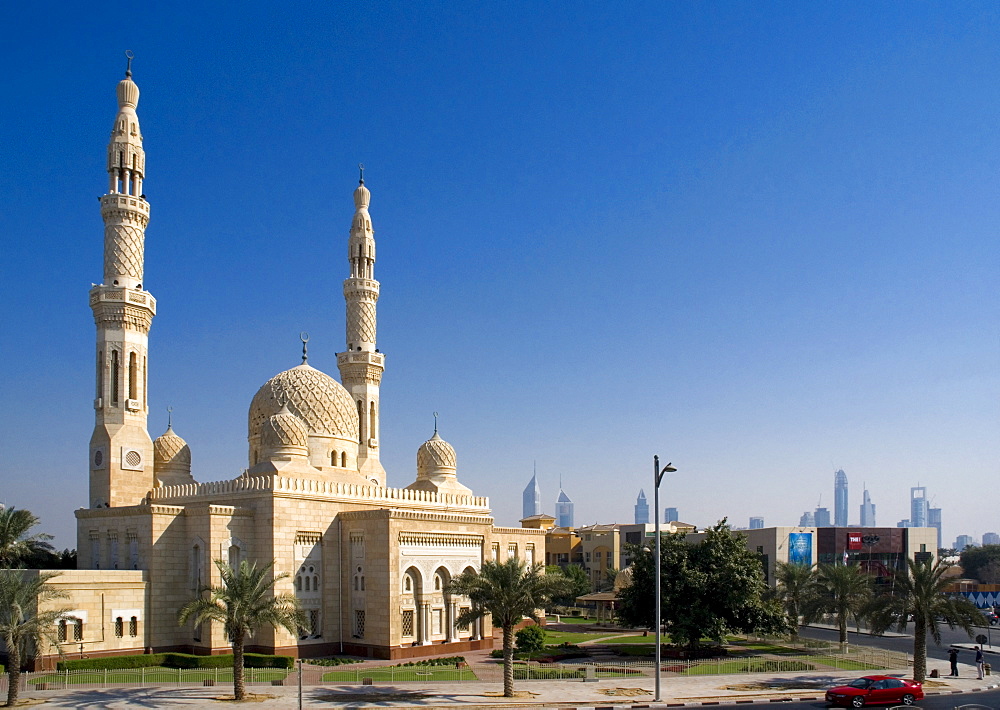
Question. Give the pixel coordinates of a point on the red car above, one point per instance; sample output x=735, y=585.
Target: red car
x=876, y=690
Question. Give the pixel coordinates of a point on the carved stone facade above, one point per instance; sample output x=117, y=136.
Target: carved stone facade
x=368, y=562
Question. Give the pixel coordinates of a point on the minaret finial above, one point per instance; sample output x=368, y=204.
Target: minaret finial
x=304, y=337
x=435, y=422
x=130, y=57
x=361, y=170
x=170, y=417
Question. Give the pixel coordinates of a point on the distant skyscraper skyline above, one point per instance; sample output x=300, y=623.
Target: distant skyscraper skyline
x=964, y=541
x=822, y=517
x=531, y=499
x=641, y=508
x=840, y=499
x=756, y=522
x=991, y=538
x=808, y=520
x=564, y=509
x=867, y=511
x=670, y=515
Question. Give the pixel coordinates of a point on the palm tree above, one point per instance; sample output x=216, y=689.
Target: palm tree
x=21, y=623
x=508, y=591
x=841, y=590
x=242, y=604
x=795, y=584
x=918, y=593
x=15, y=542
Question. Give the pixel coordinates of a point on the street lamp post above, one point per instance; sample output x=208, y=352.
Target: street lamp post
x=657, y=477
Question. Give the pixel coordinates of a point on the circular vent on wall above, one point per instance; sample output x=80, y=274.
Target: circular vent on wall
x=132, y=458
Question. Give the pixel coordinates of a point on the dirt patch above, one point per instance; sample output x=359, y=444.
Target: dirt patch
x=27, y=702
x=625, y=692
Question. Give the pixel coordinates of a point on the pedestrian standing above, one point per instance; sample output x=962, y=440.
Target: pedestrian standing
x=979, y=662
x=953, y=657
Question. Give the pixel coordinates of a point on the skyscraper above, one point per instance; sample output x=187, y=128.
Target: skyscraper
x=840, y=504
x=808, y=520
x=641, y=509
x=918, y=507
x=756, y=522
x=670, y=515
x=964, y=541
x=531, y=499
x=822, y=517
x=934, y=520
x=991, y=538
x=867, y=511
x=564, y=510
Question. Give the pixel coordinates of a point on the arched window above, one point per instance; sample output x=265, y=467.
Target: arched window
x=119, y=627
x=408, y=584
x=307, y=583
x=133, y=376
x=437, y=582
x=361, y=420
x=315, y=582
x=357, y=583
x=343, y=459
x=145, y=382
x=333, y=458
x=362, y=583
x=133, y=626
x=298, y=583
x=114, y=377
x=61, y=634
x=100, y=373
x=371, y=421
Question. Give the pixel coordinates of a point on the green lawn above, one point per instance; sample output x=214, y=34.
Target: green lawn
x=637, y=639
x=846, y=664
x=159, y=674
x=762, y=647
x=747, y=665
x=554, y=638
x=401, y=673
x=570, y=620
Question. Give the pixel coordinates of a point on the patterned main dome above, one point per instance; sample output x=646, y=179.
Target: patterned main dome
x=171, y=450
x=322, y=403
x=282, y=430
x=436, y=454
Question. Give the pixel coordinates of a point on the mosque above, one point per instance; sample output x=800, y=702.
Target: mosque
x=369, y=563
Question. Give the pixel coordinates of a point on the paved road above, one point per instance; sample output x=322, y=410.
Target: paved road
x=905, y=644
x=987, y=698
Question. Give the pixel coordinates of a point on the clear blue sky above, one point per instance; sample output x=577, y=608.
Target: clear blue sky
x=757, y=239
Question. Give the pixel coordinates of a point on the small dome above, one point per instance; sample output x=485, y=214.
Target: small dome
x=128, y=92
x=362, y=197
x=283, y=430
x=170, y=450
x=322, y=403
x=436, y=456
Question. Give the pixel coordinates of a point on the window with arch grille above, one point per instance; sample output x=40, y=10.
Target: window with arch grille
x=408, y=622
x=114, y=377
x=359, y=623
x=133, y=627
x=78, y=630
x=61, y=633
x=119, y=627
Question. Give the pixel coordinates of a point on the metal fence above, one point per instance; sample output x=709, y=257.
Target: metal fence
x=855, y=659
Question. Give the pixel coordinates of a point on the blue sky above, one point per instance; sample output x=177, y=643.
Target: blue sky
x=757, y=239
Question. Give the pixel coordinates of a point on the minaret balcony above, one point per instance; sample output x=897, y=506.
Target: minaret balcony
x=119, y=201
x=115, y=294
x=363, y=358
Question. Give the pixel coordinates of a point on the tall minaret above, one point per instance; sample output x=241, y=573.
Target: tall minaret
x=121, y=452
x=361, y=365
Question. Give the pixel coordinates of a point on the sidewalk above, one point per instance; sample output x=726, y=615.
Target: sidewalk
x=616, y=693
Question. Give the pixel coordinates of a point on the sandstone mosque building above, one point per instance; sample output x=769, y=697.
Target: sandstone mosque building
x=368, y=562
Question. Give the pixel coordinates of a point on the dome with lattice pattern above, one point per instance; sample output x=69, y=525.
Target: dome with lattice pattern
x=171, y=452
x=322, y=403
x=436, y=456
x=282, y=431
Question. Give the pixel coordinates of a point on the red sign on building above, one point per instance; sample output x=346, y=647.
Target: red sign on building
x=853, y=541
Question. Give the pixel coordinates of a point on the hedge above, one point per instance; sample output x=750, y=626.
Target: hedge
x=175, y=660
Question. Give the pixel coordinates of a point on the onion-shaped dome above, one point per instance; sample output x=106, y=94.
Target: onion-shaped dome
x=322, y=403
x=171, y=454
x=436, y=457
x=362, y=197
x=284, y=432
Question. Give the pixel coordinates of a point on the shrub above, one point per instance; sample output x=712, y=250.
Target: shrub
x=446, y=661
x=175, y=660
x=333, y=661
x=529, y=639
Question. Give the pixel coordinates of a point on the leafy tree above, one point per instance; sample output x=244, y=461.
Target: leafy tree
x=51, y=560
x=530, y=639
x=840, y=590
x=918, y=593
x=15, y=543
x=243, y=603
x=708, y=589
x=21, y=624
x=975, y=561
x=508, y=591
x=579, y=583
x=795, y=584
